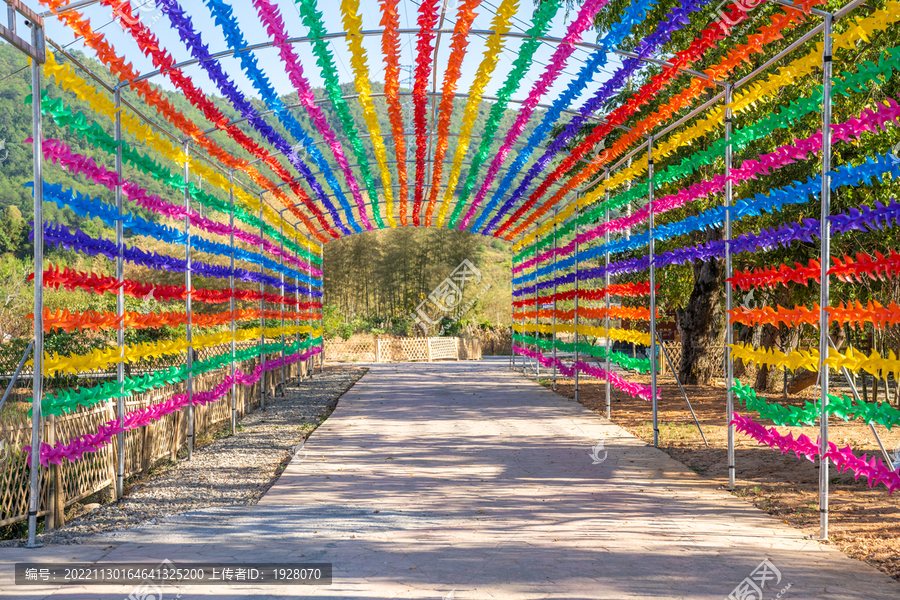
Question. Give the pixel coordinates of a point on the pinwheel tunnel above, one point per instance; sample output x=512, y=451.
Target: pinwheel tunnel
x=541, y=139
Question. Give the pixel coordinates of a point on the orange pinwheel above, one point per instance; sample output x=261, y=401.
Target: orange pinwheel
x=852, y=313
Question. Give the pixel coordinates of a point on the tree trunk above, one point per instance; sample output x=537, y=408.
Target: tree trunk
x=702, y=323
x=754, y=334
x=791, y=340
x=767, y=374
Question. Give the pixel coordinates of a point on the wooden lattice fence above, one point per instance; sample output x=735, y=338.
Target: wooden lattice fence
x=353, y=350
x=70, y=482
x=402, y=349
x=674, y=351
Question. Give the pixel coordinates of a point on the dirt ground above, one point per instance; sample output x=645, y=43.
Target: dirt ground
x=864, y=523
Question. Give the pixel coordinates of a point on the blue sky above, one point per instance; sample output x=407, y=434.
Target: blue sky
x=101, y=16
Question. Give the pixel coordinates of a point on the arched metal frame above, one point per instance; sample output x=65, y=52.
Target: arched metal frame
x=437, y=32
x=825, y=28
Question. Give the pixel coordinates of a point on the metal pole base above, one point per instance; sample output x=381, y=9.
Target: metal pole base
x=32, y=532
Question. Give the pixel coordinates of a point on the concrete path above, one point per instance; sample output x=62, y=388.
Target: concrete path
x=463, y=480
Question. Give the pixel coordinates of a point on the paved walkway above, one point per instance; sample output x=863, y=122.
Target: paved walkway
x=463, y=480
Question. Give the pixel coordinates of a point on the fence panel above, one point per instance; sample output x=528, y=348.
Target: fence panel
x=95, y=470
x=350, y=350
x=15, y=432
x=444, y=348
x=409, y=349
x=403, y=349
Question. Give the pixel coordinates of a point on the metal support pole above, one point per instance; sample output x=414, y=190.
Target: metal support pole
x=233, y=324
x=297, y=311
x=34, y=489
x=15, y=377
x=322, y=315
x=555, y=286
x=575, y=364
x=825, y=261
x=537, y=320
x=653, y=387
x=262, y=315
x=606, y=323
x=283, y=341
x=526, y=360
x=312, y=360
x=188, y=308
x=729, y=291
x=120, y=302
x=512, y=313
